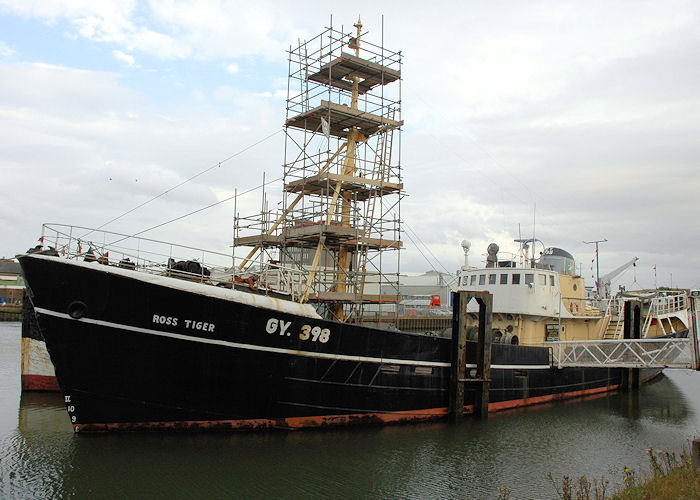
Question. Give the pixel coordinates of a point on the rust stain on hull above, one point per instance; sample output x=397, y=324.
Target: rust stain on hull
x=288, y=424
x=328, y=421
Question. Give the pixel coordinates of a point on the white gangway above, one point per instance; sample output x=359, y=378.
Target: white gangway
x=634, y=353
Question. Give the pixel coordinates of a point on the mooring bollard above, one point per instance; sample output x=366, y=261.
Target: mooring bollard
x=696, y=454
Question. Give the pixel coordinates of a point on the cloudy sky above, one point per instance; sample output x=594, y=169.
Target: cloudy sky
x=578, y=120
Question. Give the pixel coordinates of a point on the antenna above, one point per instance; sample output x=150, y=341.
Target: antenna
x=534, y=212
x=597, y=268
x=520, y=251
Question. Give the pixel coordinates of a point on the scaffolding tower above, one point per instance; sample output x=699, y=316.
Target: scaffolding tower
x=340, y=222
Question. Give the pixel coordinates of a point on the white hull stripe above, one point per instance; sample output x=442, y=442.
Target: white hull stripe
x=277, y=350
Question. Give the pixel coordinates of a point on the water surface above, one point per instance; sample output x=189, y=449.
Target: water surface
x=41, y=456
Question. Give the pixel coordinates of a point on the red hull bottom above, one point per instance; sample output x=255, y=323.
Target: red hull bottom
x=39, y=383
x=296, y=423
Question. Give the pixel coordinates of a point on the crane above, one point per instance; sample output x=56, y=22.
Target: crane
x=604, y=284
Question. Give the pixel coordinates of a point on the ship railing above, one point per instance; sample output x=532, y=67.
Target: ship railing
x=664, y=305
x=436, y=324
x=654, y=307
x=160, y=257
x=580, y=307
x=668, y=304
x=626, y=353
x=613, y=308
x=281, y=279
x=648, y=319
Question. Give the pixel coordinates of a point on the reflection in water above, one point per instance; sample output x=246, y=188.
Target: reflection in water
x=38, y=453
x=663, y=401
x=42, y=412
x=41, y=457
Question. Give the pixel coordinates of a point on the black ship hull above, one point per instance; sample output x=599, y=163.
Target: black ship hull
x=136, y=351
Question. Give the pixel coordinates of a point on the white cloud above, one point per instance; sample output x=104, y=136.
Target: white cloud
x=224, y=93
x=6, y=50
x=169, y=30
x=71, y=135
x=588, y=111
x=127, y=59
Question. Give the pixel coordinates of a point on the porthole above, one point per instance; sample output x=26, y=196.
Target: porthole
x=77, y=309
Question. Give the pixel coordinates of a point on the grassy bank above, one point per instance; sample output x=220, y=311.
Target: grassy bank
x=669, y=477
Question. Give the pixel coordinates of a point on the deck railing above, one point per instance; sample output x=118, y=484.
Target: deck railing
x=160, y=257
x=668, y=304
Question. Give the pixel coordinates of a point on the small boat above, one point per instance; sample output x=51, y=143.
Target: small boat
x=37, y=370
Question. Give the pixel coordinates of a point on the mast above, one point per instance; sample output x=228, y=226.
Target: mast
x=342, y=187
x=597, y=267
x=354, y=136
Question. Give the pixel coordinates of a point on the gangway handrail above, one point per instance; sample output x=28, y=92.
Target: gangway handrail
x=624, y=353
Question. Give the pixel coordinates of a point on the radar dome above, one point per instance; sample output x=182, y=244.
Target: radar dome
x=558, y=260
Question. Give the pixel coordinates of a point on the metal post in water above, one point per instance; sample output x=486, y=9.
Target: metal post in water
x=458, y=356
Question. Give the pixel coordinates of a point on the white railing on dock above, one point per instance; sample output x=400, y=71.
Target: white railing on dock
x=628, y=353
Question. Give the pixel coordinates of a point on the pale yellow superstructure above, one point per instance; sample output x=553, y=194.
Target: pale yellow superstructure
x=532, y=305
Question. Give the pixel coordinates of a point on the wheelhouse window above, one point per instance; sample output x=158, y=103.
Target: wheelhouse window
x=472, y=281
x=529, y=279
x=482, y=279
x=504, y=279
x=551, y=280
x=542, y=279
x=516, y=279
x=492, y=279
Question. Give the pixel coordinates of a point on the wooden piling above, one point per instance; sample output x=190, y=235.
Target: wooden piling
x=483, y=355
x=695, y=454
x=458, y=359
x=458, y=370
x=632, y=329
x=636, y=334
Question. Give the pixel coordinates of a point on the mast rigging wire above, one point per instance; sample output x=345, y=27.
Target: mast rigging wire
x=408, y=226
x=218, y=164
x=421, y=252
x=198, y=210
